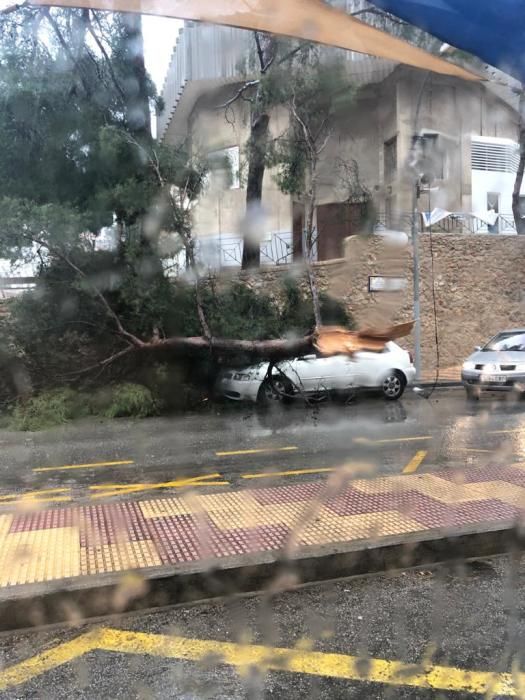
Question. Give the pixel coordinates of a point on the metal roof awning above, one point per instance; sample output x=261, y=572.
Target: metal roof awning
x=311, y=20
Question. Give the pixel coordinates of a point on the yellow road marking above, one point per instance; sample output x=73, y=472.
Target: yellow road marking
x=367, y=441
x=106, y=490
x=414, y=463
x=291, y=472
x=501, y=432
x=92, y=465
x=48, y=660
x=41, y=496
x=243, y=656
x=255, y=451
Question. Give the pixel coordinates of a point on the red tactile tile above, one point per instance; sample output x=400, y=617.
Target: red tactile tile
x=431, y=513
x=43, y=520
x=355, y=502
x=178, y=538
x=287, y=494
x=110, y=523
x=244, y=540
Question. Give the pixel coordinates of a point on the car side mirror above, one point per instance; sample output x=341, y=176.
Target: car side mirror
x=477, y=348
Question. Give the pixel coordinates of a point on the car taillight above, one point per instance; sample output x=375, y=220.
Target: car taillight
x=411, y=358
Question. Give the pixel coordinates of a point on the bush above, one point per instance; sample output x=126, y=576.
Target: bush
x=49, y=409
x=125, y=400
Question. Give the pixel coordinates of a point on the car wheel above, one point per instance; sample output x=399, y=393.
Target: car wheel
x=275, y=391
x=393, y=385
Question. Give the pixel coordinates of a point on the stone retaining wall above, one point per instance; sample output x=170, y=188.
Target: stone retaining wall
x=478, y=280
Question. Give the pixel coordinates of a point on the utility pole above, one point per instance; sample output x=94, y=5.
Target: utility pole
x=415, y=231
x=415, y=276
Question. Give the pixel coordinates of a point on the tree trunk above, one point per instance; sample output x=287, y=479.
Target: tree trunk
x=257, y=145
x=516, y=208
x=137, y=105
x=309, y=242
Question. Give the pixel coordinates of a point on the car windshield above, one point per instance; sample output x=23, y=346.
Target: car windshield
x=510, y=340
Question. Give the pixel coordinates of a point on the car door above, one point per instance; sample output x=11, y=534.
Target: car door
x=314, y=374
x=304, y=372
x=369, y=368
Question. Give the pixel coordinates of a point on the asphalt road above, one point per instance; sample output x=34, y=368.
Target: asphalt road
x=470, y=618
x=233, y=447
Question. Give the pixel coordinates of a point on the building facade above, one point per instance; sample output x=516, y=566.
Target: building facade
x=466, y=151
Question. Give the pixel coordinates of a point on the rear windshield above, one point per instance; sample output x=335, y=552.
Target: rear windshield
x=507, y=341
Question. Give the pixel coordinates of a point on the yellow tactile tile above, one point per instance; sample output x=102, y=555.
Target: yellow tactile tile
x=288, y=514
x=5, y=524
x=39, y=555
x=446, y=491
x=121, y=556
x=502, y=491
x=165, y=507
x=333, y=528
x=387, y=484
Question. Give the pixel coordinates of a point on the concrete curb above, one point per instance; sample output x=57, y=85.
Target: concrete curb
x=82, y=598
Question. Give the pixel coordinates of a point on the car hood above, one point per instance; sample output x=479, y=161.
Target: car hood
x=481, y=357
x=255, y=371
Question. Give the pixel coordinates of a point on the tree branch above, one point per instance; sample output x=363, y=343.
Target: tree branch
x=106, y=57
x=67, y=50
x=259, y=50
x=133, y=339
x=239, y=93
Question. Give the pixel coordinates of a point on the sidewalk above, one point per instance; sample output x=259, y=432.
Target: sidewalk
x=70, y=545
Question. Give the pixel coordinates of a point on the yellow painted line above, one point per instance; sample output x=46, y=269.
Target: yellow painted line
x=291, y=472
x=367, y=441
x=48, y=660
x=245, y=656
x=501, y=432
x=92, y=465
x=414, y=463
x=41, y=496
x=107, y=490
x=256, y=451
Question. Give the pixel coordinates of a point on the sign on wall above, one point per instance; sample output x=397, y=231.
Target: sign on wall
x=386, y=284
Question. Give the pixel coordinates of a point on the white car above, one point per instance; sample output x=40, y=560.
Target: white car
x=389, y=371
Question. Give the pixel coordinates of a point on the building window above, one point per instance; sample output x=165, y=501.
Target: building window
x=227, y=160
x=390, y=155
x=433, y=156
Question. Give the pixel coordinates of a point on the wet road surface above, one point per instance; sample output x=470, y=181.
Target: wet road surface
x=112, y=459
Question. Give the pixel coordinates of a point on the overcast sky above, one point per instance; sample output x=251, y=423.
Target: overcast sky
x=160, y=35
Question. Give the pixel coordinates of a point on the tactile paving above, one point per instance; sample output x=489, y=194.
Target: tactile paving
x=57, y=543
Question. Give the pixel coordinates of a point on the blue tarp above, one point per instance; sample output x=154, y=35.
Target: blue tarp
x=493, y=30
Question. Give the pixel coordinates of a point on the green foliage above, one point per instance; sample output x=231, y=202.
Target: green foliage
x=239, y=312
x=316, y=91
x=297, y=315
x=48, y=409
x=126, y=400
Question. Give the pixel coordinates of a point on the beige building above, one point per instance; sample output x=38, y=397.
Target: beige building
x=467, y=148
